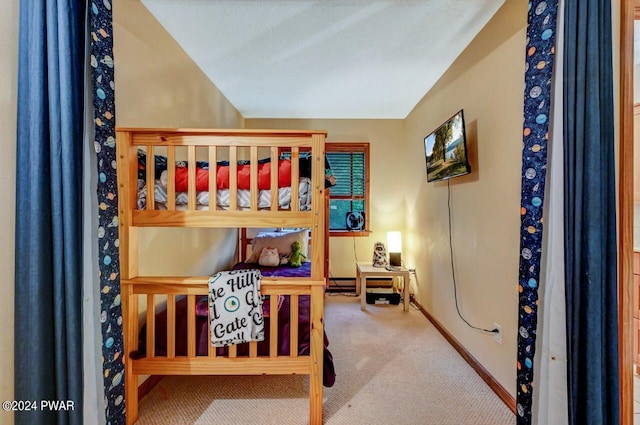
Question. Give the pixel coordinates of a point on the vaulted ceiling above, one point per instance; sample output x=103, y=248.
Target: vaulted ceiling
x=323, y=59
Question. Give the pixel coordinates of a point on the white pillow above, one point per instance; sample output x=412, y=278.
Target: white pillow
x=280, y=240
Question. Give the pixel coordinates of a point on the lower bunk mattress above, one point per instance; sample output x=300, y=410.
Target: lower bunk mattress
x=203, y=338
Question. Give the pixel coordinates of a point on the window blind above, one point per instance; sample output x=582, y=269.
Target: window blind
x=349, y=170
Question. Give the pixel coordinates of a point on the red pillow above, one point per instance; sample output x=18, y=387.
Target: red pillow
x=284, y=173
x=244, y=176
x=222, y=176
x=182, y=179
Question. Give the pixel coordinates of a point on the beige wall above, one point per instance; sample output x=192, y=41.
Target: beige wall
x=158, y=85
x=8, y=102
x=487, y=82
x=387, y=183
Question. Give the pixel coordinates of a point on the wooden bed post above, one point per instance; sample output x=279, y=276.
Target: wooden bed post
x=327, y=200
x=129, y=311
x=317, y=355
x=318, y=208
x=317, y=275
x=128, y=239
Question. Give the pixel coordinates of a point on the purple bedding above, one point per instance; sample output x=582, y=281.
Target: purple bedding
x=281, y=271
x=202, y=334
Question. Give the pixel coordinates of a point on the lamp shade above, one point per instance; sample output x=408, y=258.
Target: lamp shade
x=394, y=241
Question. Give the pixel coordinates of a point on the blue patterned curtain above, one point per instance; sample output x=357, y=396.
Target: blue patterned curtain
x=541, y=32
x=590, y=215
x=48, y=266
x=102, y=76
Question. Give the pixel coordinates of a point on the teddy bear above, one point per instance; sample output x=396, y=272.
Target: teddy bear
x=296, y=257
x=269, y=257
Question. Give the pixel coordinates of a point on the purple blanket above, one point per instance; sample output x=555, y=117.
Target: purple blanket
x=281, y=271
x=202, y=334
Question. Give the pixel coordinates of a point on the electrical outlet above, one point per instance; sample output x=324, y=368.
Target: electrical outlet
x=497, y=336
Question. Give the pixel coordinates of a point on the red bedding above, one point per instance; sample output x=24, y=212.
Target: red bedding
x=244, y=176
x=222, y=172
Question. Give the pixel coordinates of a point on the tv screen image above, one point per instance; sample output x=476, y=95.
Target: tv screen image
x=446, y=150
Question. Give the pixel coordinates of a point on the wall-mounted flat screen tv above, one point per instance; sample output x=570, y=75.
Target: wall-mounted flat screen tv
x=446, y=150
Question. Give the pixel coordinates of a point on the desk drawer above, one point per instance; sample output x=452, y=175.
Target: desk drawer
x=636, y=263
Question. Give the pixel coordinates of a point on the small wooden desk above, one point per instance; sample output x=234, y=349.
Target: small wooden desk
x=365, y=270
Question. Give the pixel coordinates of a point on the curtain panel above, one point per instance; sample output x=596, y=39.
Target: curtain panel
x=550, y=391
x=48, y=265
x=590, y=215
x=540, y=54
x=104, y=117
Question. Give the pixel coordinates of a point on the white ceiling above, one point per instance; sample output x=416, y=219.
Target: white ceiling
x=323, y=59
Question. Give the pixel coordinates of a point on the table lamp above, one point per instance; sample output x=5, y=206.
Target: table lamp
x=394, y=244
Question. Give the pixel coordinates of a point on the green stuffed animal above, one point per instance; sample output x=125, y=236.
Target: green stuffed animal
x=296, y=257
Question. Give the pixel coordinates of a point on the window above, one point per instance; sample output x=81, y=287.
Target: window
x=349, y=198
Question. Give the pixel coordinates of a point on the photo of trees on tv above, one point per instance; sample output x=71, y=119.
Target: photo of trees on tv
x=446, y=151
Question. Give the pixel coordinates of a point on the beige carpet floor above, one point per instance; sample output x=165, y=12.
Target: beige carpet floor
x=392, y=367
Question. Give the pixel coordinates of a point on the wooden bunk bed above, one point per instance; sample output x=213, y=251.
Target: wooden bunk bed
x=214, y=145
